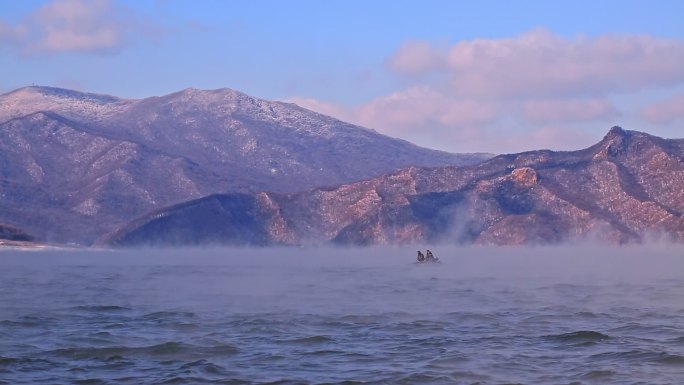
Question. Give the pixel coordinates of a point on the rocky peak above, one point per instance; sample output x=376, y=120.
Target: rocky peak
x=524, y=176
x=613, y=144
x=616, y=131
x=535, y=198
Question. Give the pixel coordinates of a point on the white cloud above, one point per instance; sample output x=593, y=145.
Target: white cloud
x=665, y=111
x=90, y=26
x=401, y=113
x=520, y=93
x=417, y=57
x=568, y=111
x=539, y=63
x=553, y=137
x=423, y=105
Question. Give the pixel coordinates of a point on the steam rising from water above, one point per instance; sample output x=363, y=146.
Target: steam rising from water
x=551, y=261
x=290, y=278
x=327, y=315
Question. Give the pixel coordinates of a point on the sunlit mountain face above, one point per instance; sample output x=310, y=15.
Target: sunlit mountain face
x=76, y=166
x=626, y=188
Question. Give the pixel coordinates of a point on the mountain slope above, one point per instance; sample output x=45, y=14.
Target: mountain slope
x=624, y=189
x=77, y=165
x=10, y=233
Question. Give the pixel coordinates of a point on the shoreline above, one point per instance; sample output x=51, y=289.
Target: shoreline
x=7, y=244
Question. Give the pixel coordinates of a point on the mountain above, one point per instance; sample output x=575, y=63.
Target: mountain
x=75, y=166
x=626, y=188
x=10, y=233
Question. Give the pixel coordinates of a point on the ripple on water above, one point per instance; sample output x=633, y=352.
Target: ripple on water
x=597, y=375
x=30, y=321
x=361, y=318
x=448, y=361
x=424, y=378
x=327, y=328
x=640, y=356
x=578, y=338
x=310, y=340
x=325, y=353
x=101, y=308
x=28, y=364
x=7, y=360
x=164, y=350
x=168, y=315
x=670, y=359
x=90, y=381
x=206, y=368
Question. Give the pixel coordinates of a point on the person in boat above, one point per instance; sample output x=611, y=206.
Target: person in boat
x=421, y=257
x=430, y=257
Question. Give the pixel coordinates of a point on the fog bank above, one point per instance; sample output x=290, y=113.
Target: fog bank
x=516, y=261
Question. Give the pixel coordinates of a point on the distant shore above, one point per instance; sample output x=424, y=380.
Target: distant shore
x=28, y=245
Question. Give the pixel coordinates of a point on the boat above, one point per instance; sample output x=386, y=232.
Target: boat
x=427, y=258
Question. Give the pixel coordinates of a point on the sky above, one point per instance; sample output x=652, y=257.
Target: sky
x=459, y=76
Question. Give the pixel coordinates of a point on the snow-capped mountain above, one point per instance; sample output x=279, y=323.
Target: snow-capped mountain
x=77, y=165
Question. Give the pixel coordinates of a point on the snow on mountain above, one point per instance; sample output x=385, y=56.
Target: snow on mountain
x=626, y=188
x=77, y=165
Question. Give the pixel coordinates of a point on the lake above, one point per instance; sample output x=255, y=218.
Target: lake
x=540, y=315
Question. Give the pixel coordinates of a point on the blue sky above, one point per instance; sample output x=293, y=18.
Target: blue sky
x=493, y=76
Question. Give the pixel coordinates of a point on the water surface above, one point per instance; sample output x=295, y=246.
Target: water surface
x=576, y=315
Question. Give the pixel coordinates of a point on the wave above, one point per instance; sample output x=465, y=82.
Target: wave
x=101, y=308
x=311, y=340
x=598, y=374
x=448, y=361
x=669, y=359
x=24, y=363
x=579, y=338
x=165, y=315
x=89, y=381
x=180, y=350
x=424, y=378
x=8, y=360
x=185, y=380
x=328, y=352
x=30, y=321
x=204, y=367
x=641, y=356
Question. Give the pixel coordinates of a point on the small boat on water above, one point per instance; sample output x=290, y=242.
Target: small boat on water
x=428, y=257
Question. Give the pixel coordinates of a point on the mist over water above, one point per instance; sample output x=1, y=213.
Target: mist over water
x=542, y=315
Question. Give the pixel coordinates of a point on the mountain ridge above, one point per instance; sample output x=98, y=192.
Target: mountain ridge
x=79, y=165
x=623, y=189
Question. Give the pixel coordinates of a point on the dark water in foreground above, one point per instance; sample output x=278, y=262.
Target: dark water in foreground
x=484, y=316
